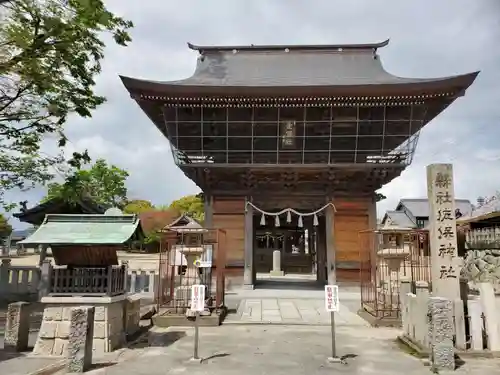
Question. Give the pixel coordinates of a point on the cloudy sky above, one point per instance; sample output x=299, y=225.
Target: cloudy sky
x=427, y=39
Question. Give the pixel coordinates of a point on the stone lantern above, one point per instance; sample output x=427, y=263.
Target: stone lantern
x=191, y=246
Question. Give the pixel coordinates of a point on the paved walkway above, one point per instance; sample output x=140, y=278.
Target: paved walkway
x=290, y=311
x=295, y=303
x=279, y=350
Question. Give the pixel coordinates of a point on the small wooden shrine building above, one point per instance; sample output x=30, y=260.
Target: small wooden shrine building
x=289, y=144
x=86, y=273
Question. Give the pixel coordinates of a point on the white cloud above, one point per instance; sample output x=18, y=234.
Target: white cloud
x=428, y=39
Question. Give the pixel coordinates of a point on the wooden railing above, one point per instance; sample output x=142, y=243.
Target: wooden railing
x=84, y=281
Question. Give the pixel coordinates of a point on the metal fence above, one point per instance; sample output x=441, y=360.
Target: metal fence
x=187, y=259
x=388, y=256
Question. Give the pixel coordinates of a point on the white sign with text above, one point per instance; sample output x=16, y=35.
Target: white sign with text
x=332, y=298
x=198, y=297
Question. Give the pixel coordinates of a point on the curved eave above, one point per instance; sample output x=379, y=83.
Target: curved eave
x=309, y=47
x=455, y=85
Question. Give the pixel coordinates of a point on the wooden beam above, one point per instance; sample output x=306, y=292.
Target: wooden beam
x=330, y=244
x=209, y=211
x=311, y=166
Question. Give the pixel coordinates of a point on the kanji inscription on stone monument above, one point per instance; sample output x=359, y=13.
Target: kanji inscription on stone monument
x=443, y=231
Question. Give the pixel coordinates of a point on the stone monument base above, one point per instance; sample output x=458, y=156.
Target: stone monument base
x=109, y=321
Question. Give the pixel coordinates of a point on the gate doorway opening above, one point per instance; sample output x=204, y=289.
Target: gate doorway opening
x=297, y=246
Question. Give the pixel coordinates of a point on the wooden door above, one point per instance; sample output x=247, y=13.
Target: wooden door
x=347, y=228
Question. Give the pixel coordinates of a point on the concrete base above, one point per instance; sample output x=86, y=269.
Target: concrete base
x=424, y=352
x=109, y=327
x=277, y=273
x=334, y=360
x=168, y=320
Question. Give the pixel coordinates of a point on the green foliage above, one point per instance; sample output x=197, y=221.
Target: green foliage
x=50, y=55
x=191, y=205
x=5, y=227
x=137, y=206
x=103, y=183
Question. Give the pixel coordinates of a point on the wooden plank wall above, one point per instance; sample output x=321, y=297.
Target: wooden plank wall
x=229, y=214
x=352, y=217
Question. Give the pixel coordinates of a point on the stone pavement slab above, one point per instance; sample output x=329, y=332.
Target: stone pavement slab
x=23, y=364
x=281, y=350
x=290, y=311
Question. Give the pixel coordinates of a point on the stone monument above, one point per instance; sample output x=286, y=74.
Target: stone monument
x=445, y=263
x=277, y=271
x=445, y=271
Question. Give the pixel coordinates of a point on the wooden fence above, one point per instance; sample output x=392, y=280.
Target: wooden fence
x=21, y=282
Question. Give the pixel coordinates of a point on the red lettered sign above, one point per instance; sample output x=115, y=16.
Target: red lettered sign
x=332, y=298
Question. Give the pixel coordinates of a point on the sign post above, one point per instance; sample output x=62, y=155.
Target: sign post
x=332, y=306
x=197, y=305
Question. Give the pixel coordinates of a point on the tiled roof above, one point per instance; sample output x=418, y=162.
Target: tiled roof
x=400, y=219
x=85, y=230
x=292, y=66
x=420, y=207
x=36, y=215
x=491, y=206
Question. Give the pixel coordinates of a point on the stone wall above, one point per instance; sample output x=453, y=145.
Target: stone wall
x=132, y=314
x=109, y=322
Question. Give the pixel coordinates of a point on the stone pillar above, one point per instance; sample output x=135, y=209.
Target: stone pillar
x=45, y=275
x=248, y=270
x=459, y=324
x=420, y=316
x=488, y=304
x=4, y=276
x=126, y=287
x=445, y=263
x=42, y=250
x=17, y=327
x=476, y=324
x=404, y=290
x=442, y=354
x=81, y=332
x=277, y=264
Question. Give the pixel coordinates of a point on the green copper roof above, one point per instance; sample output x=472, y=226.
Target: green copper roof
x=85, y=230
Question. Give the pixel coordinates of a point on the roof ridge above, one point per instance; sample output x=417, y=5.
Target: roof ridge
x=297, y=47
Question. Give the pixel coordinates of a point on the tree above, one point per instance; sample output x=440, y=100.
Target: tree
x=5, y=227
x=50, y=55
x=103, y=183
x=137, y=206
x=191, y=205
